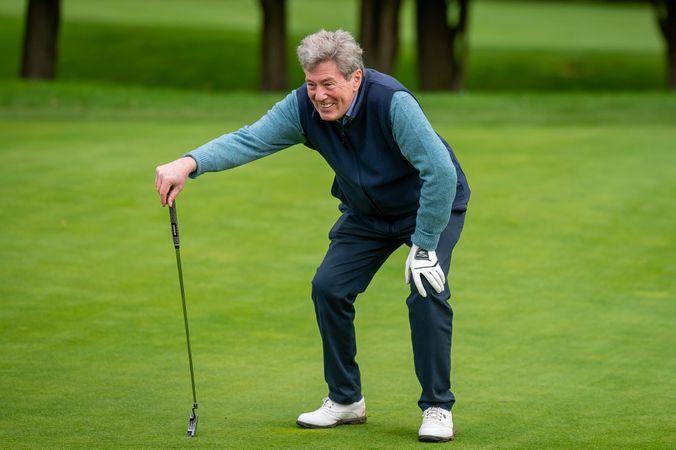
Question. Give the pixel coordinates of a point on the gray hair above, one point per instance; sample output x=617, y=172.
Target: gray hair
x=338, y=46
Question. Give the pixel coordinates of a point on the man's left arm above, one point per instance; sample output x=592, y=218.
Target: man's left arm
x=423, y=148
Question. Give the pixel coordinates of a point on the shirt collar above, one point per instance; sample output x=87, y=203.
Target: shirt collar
x=349, y=115
x=350, y=110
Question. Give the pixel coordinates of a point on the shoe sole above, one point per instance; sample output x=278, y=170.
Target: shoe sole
x=357, y=421
x=435, y=438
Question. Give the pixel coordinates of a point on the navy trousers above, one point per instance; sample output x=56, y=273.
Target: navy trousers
x=359, y=246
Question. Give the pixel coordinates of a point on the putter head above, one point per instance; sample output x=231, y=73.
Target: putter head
x=192, y=422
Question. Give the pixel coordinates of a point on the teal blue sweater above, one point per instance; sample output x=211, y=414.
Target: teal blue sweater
x=281, y=128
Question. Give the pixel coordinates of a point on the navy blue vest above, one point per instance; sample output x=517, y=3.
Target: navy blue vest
x=372, y=176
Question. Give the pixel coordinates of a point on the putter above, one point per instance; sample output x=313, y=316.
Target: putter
x=192, y=421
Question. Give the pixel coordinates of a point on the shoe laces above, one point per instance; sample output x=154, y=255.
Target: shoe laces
x=435, y=413
x=327, y=403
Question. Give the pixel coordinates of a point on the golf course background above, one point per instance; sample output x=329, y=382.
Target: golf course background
x=564, y=282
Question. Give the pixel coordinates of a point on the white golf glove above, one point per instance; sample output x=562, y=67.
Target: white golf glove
x=425, y=263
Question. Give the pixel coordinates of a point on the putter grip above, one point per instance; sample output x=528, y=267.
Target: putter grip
x=174, y=225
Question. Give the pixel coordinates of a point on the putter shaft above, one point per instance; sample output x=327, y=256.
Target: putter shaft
x=192, y=422
x=185, y=321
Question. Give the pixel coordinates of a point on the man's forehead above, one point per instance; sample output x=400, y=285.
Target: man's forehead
x=319, y=78
x=324, y=71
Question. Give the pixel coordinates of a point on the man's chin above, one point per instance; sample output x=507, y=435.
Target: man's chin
x=328, y=116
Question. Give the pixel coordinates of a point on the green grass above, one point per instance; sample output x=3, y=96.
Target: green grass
x=564, y=279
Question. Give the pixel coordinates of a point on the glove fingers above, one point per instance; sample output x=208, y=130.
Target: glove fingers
x=419, y=285
x=433, y=278
x=441, y=279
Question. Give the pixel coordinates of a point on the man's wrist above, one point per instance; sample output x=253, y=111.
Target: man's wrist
x=425, y=240
x=189, y=164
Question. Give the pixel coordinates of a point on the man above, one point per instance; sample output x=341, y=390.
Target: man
x=398, y=183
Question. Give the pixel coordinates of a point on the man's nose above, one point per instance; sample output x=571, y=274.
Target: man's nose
x=320, y=94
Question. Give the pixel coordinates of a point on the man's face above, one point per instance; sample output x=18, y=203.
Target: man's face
x=329, y=91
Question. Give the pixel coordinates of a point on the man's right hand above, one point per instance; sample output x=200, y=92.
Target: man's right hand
x=171, y=177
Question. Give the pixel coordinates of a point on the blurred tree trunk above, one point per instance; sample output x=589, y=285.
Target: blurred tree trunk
x=666, y=20
x=40, y=39
x=442, y=43
x=274, y=76
x=379, y=33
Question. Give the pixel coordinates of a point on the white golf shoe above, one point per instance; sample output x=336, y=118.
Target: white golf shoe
x=437, y=425
x=332, y=414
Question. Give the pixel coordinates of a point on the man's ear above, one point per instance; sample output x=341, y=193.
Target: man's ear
x=356, y=78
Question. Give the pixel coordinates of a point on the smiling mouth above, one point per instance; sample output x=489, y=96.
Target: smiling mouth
x=325, y=105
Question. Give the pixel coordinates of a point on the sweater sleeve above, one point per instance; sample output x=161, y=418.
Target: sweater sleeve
x=278, y=129
x=423, y=148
